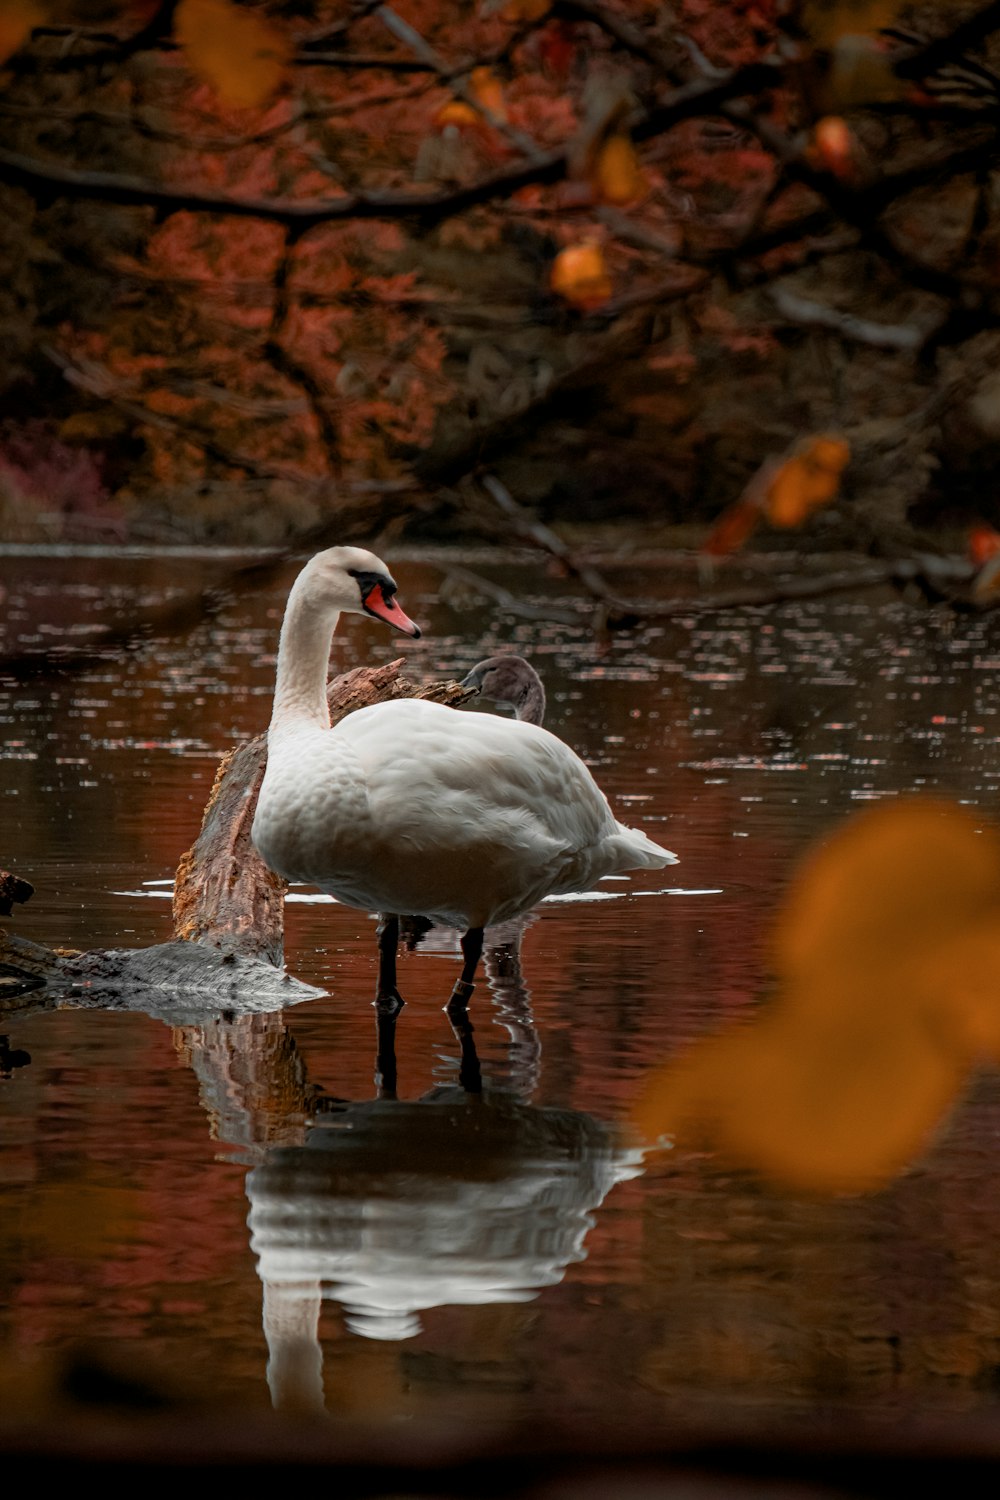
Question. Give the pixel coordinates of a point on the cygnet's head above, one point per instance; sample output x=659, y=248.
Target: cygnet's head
x=512, y=680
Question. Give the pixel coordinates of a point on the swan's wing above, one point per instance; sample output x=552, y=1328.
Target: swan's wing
x=424, y=763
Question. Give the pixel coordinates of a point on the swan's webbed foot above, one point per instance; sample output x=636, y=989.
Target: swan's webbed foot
x=388, y=1002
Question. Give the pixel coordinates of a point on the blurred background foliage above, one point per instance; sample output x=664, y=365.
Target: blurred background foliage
x=265, y=259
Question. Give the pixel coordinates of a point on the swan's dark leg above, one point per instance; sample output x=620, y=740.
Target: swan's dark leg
x=472, y=947
x=386, y=994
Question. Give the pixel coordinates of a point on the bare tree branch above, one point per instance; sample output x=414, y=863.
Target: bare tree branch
x=411, y=38
x=53, y=179
x=805, y=313
x=284, y=361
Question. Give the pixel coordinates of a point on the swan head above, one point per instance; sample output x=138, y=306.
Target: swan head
x=349, y=580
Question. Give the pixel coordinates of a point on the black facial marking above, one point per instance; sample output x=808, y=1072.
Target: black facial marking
x=368, y=581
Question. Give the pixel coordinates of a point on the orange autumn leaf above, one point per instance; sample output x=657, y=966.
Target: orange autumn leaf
x=909, y=873
x=616, y=175
x=17, y=19
x=456, y=112
x=812, y=1108
x=579, y=275
x=832, y=147
x=986, y=584
x=984, y=543
x=486, y=88
x=463, y=115
x=732, y=529
x=887, y=955
x=984, y=554
x=784, y=490
x=240, y=55
x=807, y=480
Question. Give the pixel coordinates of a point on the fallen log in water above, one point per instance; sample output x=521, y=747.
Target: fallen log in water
x=228, y=907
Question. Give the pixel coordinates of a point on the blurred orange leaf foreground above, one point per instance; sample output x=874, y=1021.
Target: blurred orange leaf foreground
x=580, y=275
x=241, y=56
x=17, y=17
x=616, y=176
x=785, y=491
x=887, y=959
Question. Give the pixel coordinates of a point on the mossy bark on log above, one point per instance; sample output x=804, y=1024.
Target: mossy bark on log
x=224, y=894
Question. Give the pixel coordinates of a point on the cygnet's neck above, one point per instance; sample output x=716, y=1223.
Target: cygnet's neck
x=303, y=659
x=530, y=706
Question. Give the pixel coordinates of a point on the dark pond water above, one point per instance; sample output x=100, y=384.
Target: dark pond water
x=224, y=1203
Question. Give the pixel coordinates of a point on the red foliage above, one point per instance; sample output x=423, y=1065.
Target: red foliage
x=43, y=478
x=731, y=34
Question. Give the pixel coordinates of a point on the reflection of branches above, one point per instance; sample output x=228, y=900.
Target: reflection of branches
x=511, y=603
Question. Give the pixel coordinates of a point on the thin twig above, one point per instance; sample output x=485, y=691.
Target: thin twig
x=539, y=535
x=422, y=49
x=805, y=313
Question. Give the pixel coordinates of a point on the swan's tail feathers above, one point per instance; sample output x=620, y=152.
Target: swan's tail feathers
x=640, y=853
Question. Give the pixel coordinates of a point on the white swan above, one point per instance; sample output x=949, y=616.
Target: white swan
x=412, y=807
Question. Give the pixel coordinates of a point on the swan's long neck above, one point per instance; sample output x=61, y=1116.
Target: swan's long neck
x=303, y=658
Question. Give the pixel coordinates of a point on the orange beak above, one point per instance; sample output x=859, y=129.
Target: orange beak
x=388, y=610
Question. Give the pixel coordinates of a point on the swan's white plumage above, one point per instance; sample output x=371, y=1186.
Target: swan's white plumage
x=413, y=807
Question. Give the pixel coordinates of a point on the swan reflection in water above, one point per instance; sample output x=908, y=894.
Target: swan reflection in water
x=468, y=1195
